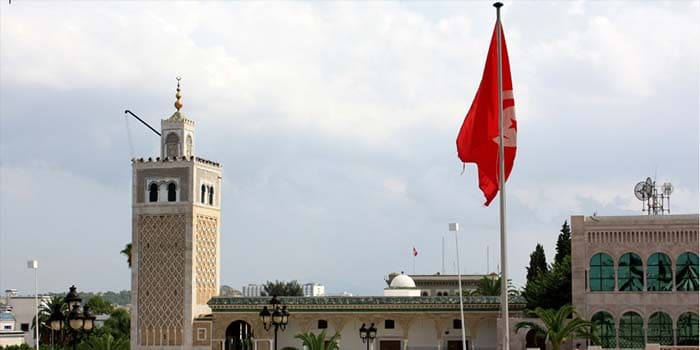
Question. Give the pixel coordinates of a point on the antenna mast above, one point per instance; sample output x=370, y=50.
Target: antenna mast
x=655, y=200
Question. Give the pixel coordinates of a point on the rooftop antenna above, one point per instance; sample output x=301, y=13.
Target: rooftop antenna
x=655, y=200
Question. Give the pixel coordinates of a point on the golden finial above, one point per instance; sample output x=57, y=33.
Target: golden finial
x=178, y=103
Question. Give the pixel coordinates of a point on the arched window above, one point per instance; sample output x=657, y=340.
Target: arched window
x=211, y=195
x=659, y=273
x=604, y=329
x=204, y=193
x=660, y=329
x=188, y=146
x=601, y=273
x=153, y=193
x=630, y=273
x=172, y=192
x=687, y=272
x=688, y=329
x=171, y=142
x=631, y=331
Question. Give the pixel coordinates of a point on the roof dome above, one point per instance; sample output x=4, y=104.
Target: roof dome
x=7, y=316
x=402, y=281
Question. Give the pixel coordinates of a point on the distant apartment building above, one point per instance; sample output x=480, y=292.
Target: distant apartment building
x=314, y=290
x=309, y=290
x=253, y=290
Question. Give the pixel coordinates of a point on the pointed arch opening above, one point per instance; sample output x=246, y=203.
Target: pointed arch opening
x=239, y=336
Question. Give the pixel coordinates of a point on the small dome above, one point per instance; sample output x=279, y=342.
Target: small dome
x=7, y=316
x=402, y=281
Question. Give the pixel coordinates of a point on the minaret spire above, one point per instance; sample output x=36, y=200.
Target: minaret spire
x=178, y=102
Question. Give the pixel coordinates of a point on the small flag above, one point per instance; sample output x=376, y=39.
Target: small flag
x=477, y=141
x=415, y=252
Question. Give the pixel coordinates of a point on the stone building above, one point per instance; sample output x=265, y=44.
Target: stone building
x=442, y=285
x=636, y=277
x=175, y=236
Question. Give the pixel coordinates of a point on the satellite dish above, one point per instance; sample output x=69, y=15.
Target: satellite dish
x=640, y=191
x=667, y=188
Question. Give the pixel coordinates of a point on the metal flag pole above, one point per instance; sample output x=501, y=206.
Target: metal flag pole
x=502, y=187
x=454, y=227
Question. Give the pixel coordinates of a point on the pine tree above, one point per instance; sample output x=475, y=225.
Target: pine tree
x=538, y=263
x=563, y=243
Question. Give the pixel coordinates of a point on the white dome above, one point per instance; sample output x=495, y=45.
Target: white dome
x=402, y=281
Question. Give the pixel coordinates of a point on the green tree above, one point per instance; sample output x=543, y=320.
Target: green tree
x=563, y=243
x=127, y=252
x=491, y=285
x=556, y=326
x=100, y=306
x=45, y=309
x=281, y=288
x=538, y=263
x=104, y=342
x=319, y=342
x=118, y=324
x=550, y=289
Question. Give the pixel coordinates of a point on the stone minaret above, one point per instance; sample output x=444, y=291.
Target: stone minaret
x=176, y=217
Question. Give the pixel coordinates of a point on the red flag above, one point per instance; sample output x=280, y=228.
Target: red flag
x=477, y=141
x=415, y=252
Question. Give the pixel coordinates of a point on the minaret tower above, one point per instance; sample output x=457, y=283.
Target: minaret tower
x=176, y=217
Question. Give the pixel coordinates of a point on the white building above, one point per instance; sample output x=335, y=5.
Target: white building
x=9, y=334
x=314, y=290
x=253, y=290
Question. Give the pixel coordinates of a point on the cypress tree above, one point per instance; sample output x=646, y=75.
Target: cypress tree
x=563, y=243
x=538, y=263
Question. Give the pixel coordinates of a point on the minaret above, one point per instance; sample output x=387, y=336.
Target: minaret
x=175, y=238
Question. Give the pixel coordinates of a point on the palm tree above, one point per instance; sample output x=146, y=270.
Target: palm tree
x=105, y=342
x=45, y=310
x=319, y=342
x=491, y=285
x=127, y=251
x=557, y=328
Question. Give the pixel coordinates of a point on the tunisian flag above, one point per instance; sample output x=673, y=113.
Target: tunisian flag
x=477, y=141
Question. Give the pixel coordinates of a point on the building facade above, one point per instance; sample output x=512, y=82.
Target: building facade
x=313, y=289
x=176, y=220
x=443, y=285
x=636, y=277
x=419, y=323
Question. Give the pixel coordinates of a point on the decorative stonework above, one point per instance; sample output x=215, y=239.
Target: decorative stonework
x=205, y=258
x=161, y=272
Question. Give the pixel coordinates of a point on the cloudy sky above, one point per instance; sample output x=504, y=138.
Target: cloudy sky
x=335, y=123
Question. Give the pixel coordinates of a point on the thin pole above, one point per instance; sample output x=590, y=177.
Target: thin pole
x=443, y=254
x=461, y=302
x=36, y=305
x=502, y=187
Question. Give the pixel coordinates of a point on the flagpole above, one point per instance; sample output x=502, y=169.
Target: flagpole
x=502, y=188
x=455, y=227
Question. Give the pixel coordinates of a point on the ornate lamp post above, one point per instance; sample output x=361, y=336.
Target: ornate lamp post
x=277, y=319
x=368, y=334
x=78, y=320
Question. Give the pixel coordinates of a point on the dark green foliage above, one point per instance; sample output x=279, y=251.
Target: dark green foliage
x=559, y=325
x=100, y=306
x=319, y=342
x=118, y=324
x=127, y=252
x=538, y=263
x=117, y=298
x=491, y=285
x=563, y=243
x=281, y=288
x=104, y=342
x=551, y=289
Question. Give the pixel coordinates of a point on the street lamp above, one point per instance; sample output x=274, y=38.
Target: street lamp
x=277, y=319
x=77, y=320
x=368, y=334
